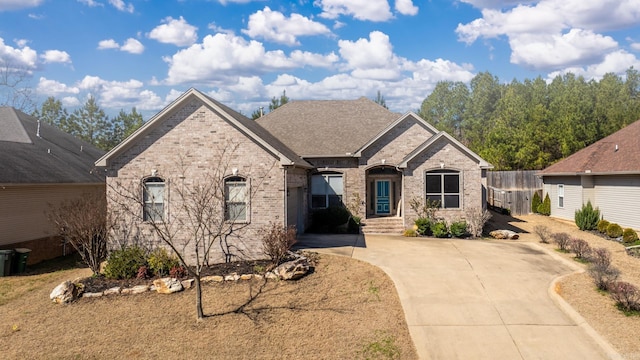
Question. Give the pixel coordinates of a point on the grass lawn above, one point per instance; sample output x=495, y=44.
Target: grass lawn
x=346, y=309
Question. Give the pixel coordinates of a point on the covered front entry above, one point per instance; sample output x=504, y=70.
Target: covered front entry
x=384, y=191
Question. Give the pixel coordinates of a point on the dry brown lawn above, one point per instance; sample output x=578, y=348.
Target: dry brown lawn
x=346, y=309
x=580, y=292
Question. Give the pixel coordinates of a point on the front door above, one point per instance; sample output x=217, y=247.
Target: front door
x=382, y=197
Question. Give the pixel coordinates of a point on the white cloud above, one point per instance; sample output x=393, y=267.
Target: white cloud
x=371, y=10
x=122, y=6
x=223, y=56
x=70, y=101
x=616, y=62
x=495, y=4
x=6, y=5
x=54, y=88
x=635, y=46
x=274, y=26
x=90, y=3
x=22, y=58
x=56, y=56
x=133, y=46
x=108, y=44
x=121, y=94
x=372, y=59
x=406, y=7
x=35, y=16
x=175, y=31
x=21, y=42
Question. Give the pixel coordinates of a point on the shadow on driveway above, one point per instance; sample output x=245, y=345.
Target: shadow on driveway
x=336, y=244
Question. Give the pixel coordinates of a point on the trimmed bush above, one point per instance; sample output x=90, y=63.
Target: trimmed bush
x=545, y=207
x=625, y=295
x=580, y=247
x=410, y=233
x=161, y=262
x=601, y=271
x=458, y=229
x=125, y=263
x=614, y=230
x=535, y=202
x=562, y=240
x=178, y=272
x=543, y=233
x=439, y=229
x=602, y=226
x=587, y=217
x=424, y=226
x=629, y=236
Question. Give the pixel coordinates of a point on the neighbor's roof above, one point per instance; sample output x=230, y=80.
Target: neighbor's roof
x=241, y=122
x=53, y=157
x=326, y=128
x=618, y=153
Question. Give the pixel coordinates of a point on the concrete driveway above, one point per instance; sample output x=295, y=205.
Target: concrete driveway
x=476, y=299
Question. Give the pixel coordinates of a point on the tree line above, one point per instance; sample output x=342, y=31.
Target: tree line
x=532, y=124
x=89, y=122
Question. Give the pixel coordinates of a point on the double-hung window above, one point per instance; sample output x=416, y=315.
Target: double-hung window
x=153, y=190
x=560, y=196
x=235, y=194
x=443, y=186
x=326, y=190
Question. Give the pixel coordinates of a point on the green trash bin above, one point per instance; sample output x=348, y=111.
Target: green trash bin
x=5, y=262
x=20, y=260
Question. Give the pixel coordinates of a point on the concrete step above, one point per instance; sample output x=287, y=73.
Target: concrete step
x=382, y=225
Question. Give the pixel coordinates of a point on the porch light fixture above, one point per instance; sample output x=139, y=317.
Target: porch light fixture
x=154, y=172
x=383, y=161
x=441, y=164
x=234, y=171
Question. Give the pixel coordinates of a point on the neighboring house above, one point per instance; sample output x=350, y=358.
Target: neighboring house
x=40, y=166
x=606, y=172
x=303, y=156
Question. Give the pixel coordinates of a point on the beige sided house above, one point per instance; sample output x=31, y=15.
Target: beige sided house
x=305, y=155
x=40, y=166
x=606, y=172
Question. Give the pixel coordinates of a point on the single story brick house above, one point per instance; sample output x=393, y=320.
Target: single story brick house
x=305, y=155
x=607, y=173
x=40, y=166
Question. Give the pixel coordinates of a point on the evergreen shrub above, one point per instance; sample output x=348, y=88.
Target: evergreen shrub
x=458, y=229
x=439, y=229
x=587, y=217
x=125, y=263
x=629, y=236
x=424, y=226
x=545, y=207
x=602, y=226
x=535, y=202
x=614, y=230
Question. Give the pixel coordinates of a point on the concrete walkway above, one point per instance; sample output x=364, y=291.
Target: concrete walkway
x=475, y=299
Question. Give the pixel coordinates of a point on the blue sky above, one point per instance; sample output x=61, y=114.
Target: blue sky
x=144, y=53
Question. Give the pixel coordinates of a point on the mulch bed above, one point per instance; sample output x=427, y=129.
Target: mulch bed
x=101, y=283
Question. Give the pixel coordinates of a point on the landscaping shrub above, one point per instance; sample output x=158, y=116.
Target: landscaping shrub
x=629, y=236
x=178, y=272
x=410, y=233
x=545, y=207
x=476, y=219
x=543, y=233
x=458, y=229
x=424, y=226
x=580, y=247
x=562, y=240
x=277, y=240
x=160, y=262
x=125, y=263
x=439, y=229
x=625, y=295
x=601, y=271
x=587, y=217
x=614, y=230
x=602, y=226
x=535, y=202
x=143, y=272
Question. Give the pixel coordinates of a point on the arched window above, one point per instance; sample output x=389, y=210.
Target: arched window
x=235, y=196
x=444, y=186
x=153, y=199
x=326, y=190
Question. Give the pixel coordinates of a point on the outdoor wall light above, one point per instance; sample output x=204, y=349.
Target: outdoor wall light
x=154, y=172
x=234, y=171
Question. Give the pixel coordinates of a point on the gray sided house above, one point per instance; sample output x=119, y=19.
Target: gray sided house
x=607, y=173
x=40, y=166
x=303, y=156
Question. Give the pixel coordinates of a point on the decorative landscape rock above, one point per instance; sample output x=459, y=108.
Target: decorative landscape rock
x=212, y=278
x=138, y=289
x=187, y=284
x=167, y=285
x=292, y=270
x=113, y=291
x=246, y=277
x=232, y=277
x=66, y=292
x=504, y=234
x=92, y=295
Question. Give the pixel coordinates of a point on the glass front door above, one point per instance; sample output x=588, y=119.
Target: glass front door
x=383, y=200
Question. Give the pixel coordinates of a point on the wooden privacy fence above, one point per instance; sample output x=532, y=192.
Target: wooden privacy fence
x=513, y=190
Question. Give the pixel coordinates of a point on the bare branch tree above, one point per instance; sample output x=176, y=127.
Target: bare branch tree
x=84, y=222
x=200, y=217
x=15, y=89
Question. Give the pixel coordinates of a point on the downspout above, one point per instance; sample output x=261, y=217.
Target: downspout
x=286, y=205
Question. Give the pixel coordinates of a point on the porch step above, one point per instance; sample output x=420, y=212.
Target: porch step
x=383, y=225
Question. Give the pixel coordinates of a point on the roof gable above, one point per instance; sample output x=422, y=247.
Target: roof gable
x=247, y=126
x=483, y=164
x=617, y=153
x=327, y=128
x=37, y=153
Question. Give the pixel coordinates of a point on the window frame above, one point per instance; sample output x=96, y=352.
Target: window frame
x=150, y=201
x=236, y=180
x=443, y=174
x=326, y=193
x=560, y=192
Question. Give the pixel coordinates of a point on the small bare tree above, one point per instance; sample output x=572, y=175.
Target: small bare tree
x=85, y=224
x=476, y=219
x=200, y=218
x=15, y=89
x=277, y=241
x=425, y=208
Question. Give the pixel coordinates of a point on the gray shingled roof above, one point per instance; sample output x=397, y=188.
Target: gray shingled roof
x=54, y=157
x=327, y=127
x=617, y=153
